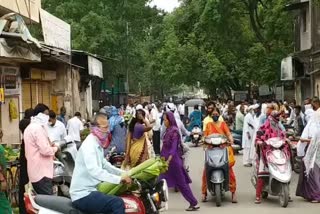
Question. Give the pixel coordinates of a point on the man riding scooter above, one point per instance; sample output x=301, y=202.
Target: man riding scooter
x=91, y=168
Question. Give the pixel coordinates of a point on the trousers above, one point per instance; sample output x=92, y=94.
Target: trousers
x=97, y=202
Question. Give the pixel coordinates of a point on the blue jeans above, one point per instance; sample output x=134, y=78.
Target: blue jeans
x=98, y=202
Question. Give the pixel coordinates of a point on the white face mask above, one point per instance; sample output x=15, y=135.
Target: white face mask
x=42, y=118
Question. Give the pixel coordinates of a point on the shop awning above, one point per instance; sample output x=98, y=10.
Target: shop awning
x=296, y=5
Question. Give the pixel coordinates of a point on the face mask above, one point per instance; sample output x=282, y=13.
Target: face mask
x=43, y=118
x=215, y=118
x=50, y=124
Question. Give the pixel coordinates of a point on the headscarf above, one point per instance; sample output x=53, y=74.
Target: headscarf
x=172, y=128
x=313, y=153
x=104, y=138
x=271, y=128
x=115, y=118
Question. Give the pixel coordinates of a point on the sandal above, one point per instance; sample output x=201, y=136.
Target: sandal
x=204, y=198
x=257, y=201
x=315, y=202
x=193, y=208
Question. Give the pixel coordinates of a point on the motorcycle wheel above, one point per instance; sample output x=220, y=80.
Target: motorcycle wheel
x=284, y=195
x=265, y=195
x=217, y=190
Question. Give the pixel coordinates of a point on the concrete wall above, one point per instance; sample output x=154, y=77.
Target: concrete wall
x=305, y=37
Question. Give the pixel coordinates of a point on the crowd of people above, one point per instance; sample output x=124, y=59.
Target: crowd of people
x=143, y=131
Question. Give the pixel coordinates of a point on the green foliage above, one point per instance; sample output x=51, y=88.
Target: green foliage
x=223, y=44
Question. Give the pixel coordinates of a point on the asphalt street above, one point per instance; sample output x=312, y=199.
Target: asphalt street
x=245, y=191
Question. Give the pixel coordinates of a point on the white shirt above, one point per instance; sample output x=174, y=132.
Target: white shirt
x=156, y=116
x=57, y=132
x=181, y=109
x=74, y=127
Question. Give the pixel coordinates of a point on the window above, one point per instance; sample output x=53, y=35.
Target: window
x=304, y=20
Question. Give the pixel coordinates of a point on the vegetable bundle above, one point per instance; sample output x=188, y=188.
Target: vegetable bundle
x=146, y=171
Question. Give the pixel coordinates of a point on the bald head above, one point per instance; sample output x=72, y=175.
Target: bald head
x=101, y=120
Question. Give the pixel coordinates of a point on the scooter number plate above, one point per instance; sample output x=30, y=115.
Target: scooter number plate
x=196, y=136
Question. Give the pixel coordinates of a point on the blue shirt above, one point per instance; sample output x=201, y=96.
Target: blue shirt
x=91, y=168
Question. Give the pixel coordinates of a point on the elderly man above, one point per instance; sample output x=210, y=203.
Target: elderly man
x=91, y=168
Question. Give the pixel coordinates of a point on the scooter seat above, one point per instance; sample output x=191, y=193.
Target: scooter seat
x=57, y=203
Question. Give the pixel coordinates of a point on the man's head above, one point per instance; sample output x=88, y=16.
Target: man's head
x=28, y=113
x=315, y=103
x=210, y=107
x=242, y=109
x=196, y=107
x=52, y=118
x=78, y=114
x=101, y=121
x=63, y=111
x=307, y=101
x=41, y=108
x=297, y=109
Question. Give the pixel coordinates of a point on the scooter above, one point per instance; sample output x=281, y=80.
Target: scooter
x=115, y=158
x=217, y=166
x=196, y=135
x=149, y=198
x=237, y=138
x=64, y=166
x=280, y=170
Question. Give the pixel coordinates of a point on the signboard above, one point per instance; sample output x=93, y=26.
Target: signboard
x=95, y=67
x=56, y=32
x=10, y=80
x=286, y=69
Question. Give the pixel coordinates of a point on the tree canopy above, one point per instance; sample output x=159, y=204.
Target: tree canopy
x=223, y=44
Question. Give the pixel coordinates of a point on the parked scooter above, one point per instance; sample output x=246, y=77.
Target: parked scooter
x=115, y=158
x=148, y=199
x=196, y=135
x=280, y=170
x=237, y=138
x=64, y=166
x=217, y=166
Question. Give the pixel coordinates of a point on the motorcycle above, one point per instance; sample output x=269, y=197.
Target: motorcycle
x=293, y=141
x=64, y=166
x=217, y=166
x=196, y=135
x=237, y=138
x=115, y=158
x=148, y=199
x=280, y=171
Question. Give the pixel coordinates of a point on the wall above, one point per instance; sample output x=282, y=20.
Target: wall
x=316, y=90
x=305, y=37
x=10, y=128
x=23, y=7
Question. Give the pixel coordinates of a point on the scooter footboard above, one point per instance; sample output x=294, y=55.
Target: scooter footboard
x=219, y=176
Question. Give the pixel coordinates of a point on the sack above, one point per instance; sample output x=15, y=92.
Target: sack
x=13, y=112
x=232, y=160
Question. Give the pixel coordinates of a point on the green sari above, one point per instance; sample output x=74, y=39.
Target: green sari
x=5, y=206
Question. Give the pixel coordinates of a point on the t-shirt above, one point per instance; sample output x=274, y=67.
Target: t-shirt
x=74, y=127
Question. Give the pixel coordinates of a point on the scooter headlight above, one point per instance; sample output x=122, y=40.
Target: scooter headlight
x=156, y=197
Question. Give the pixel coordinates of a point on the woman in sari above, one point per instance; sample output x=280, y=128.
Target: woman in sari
x=309, y=180
x=5, y=207
x=176, y=176
x=220, y=127
x=137, y=145
x=270, y=129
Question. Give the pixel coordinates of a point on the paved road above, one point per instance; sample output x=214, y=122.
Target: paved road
x=246, y=194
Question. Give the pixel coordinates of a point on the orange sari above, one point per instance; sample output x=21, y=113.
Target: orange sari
x=220, y=128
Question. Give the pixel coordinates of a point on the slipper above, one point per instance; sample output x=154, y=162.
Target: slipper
x=192, y=208
x=204, y=199
x=315, y=202
x=257, y=201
